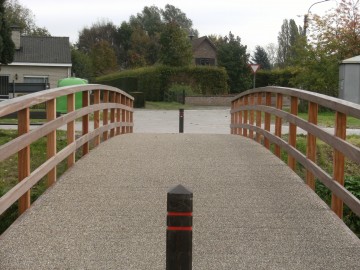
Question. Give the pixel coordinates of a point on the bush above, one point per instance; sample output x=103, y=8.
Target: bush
x=155, y=82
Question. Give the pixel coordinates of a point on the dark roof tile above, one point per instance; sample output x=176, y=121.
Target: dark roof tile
x=54, y=50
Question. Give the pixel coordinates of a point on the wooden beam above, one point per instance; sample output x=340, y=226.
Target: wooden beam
x=251, y=120
x=245, y=118
x=85, y=121
x=70, y=129
x=258, y=117
x=267, y=119
x=105, y=114
x=51, y=140
x=278, y=123
x=292, y=131
x=96, y=117
x=118, y=113
x=24, y=158
x=339, y=163
x=311, y=143
x=112, y=114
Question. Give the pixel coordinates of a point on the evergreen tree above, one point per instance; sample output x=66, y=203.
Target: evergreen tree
x=233, y=57
x=7, y=46
x=176, y=49
x=261, y=57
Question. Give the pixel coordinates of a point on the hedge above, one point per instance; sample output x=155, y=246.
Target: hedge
x=155, y=81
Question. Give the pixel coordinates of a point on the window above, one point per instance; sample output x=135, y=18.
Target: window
x=36, y=79
x=205, y=61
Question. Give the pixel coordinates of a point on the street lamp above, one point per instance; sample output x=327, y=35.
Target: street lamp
x=307, y=15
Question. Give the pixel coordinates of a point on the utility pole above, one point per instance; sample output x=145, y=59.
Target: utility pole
x=306, y=16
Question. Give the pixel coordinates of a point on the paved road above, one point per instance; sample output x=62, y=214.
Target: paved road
x=109, y=211
x=203, y=120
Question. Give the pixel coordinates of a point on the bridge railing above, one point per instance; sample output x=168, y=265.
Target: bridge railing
x=117, y=119
x=251, y=114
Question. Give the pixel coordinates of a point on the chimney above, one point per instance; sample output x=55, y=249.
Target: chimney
x=15, y=35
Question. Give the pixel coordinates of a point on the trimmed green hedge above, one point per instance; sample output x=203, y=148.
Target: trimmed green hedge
x=278, y=77
x=156, y=81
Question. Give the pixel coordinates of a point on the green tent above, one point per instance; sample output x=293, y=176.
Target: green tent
x=61, y=102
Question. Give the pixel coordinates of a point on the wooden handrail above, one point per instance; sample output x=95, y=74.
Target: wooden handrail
x=342, y=148
x=120, y=102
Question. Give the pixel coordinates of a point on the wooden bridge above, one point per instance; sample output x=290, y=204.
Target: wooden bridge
x=108, y=211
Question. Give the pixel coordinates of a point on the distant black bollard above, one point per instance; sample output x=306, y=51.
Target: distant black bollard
x=181, y=120
x=179, y=229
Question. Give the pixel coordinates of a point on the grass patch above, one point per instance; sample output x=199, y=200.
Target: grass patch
x=324, y=157
x=9, y=176
x=153, y=105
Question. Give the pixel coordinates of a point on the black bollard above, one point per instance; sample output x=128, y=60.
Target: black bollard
x=179, y=229
x=181, y=120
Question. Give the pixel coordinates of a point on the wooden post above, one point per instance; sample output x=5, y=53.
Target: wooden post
x=118, y=113
x=96, y=117
x=246, y=102
x=339, y=163
x=112, y=114
x=51, y=140
x=241, y=120
x=258, y=117
x=85, y=121
x=24, y=158
x=123, y=114
x=311, y=143
x=251, y=122
x=131, y=116
x=105, y=114
x=70, y=129
x=292, y=132
x=278, y=123
x=267, y=119
x=233, y=117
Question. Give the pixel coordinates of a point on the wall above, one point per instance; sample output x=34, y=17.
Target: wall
x=209, y=100
x=53, y=73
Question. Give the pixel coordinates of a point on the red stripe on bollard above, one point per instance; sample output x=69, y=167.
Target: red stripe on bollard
x=179, y=228
x=181, y=214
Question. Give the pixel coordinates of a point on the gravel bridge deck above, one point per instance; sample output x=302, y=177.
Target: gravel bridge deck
x=109, y=211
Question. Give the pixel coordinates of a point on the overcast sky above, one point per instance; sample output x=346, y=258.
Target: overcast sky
x=256, y=22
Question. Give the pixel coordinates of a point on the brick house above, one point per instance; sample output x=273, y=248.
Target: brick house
x=37, y=60
x=204, y=52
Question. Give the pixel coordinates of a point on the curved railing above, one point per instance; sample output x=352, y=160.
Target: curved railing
x=251, y=114
x=117, y=118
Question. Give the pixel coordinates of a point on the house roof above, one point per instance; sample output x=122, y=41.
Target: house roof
x=49, y=50
x=197, y=42
x=352, y=60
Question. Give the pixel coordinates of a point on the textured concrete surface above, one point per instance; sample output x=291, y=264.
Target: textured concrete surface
x=109, y=211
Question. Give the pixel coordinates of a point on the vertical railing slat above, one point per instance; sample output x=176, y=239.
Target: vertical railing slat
x=251, y=120
x=118, y=113
x=70, y=131
x=123, y=114
x=245, y=117
x=258, y=117
x=24, y=158
x=339, y=163
x=112, y=114
x=278, y=123
x=85, y=121
x=292, y=132
x=96, y=117
x=267, y=119
x=105, y=114
x=131, y=116
x=233, y=117
x=311, y=143
x=51, y=140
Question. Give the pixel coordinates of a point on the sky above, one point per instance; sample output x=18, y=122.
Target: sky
x=256, y=22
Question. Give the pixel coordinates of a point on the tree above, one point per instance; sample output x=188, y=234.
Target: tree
x=99, y=31
x=81, y=64
x=22, y=17
x=172, y=14
x=271, y=50
x=260, y=57
x=176, y=49
x=7, y=46
x=103, y=58
x=338, y=32
x=233, y=57
x=287, y=39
